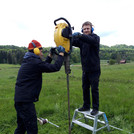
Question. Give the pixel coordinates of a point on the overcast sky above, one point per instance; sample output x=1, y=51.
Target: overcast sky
x=24, y=20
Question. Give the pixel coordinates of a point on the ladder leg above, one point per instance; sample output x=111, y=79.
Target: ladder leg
x=74, y=116
x=95, y=125
x=106, y=121
x=86, y=119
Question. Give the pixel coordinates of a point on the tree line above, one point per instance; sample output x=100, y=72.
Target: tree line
x=117, y=53
x=11, y=54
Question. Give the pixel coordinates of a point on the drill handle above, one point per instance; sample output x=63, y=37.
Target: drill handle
x=61, y=18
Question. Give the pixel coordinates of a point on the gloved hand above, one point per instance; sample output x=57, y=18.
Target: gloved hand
x=52, y=51
x=61, y=49
x=76, y=35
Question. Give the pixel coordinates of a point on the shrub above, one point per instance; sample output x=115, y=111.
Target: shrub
x=112, y=62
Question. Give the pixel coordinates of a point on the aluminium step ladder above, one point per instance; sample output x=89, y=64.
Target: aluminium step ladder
x=87, y=116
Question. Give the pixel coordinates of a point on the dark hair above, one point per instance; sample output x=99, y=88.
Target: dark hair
x=87, y=23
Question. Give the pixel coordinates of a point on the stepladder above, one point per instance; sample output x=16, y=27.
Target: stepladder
x=90, y=122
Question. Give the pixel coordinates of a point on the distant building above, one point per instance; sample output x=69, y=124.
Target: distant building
x=122, y=61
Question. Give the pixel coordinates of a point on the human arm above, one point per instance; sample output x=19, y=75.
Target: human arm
x=52, y=51
x=90, y=39
x=75, y=39
x=47, y=67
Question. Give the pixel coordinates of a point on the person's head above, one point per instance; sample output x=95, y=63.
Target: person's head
x=87, y=28
x=35, y=47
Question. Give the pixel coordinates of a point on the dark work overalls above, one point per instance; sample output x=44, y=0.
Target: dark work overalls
x=89, y=51
x=27, y=90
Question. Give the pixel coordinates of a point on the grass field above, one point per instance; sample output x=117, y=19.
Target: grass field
x=116, y=99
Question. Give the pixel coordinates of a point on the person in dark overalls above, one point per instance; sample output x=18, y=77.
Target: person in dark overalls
x=29, y=84
x=88, y=42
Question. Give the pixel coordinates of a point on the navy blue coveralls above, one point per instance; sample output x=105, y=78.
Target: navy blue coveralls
x=89, y=52
x=27, y=90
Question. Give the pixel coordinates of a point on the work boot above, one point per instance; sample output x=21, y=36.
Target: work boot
x=94, y=112
x=84, y=109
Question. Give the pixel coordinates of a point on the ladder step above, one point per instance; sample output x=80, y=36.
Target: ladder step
x=83, y=125
x=89, y=112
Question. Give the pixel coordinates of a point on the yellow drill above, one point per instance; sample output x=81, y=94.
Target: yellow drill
x=63, y=37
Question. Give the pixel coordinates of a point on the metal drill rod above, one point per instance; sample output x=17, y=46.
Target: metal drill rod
x=120, y=129
x=68, y=103
x=53, y=124
x=68, y=71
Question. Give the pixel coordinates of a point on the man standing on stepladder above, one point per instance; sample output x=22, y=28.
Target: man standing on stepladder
x=88, y=42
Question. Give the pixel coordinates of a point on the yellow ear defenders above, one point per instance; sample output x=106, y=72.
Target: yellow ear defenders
x=35, y=50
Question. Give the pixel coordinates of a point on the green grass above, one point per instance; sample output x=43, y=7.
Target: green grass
x=116, y=99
